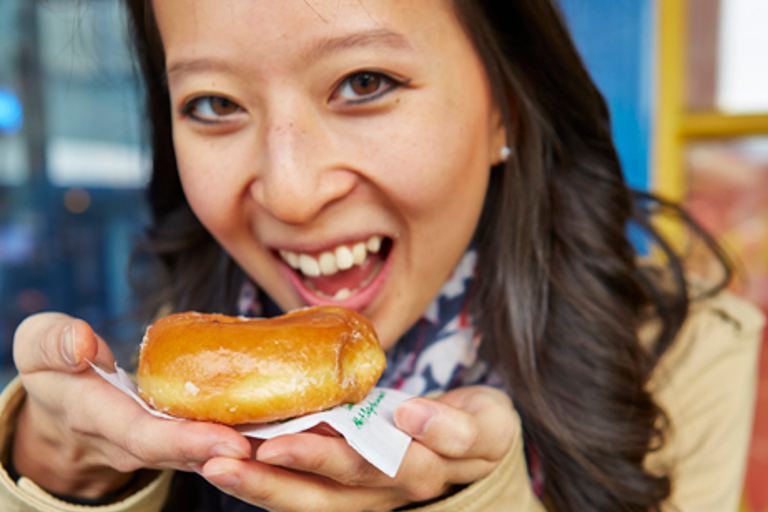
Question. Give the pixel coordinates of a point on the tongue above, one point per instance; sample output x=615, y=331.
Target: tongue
x=350, y=279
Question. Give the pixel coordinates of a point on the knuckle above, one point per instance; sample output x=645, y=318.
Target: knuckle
x=133, y=443
x=318, y=461
x=185, y=452
x=425, y=479
x=496, y=428
x=419, y=485
x=507, y=430
x=424, y=489
x=125, y=463
x=172, y=450
x=465, y=440
x=359, y=474
x=264, y=494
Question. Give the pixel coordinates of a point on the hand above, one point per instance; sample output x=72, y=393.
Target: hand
x=458, y=438
x=78, y=435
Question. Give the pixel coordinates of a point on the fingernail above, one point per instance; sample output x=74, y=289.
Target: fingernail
x=226, y=450
x=414, y=418
x=68, y=345
x=223, y=479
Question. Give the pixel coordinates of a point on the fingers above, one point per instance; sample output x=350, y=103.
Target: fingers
x=127, y=437
x=458, y=441
x=466, y=423
x=423, y=474
x=328, y=456
x=460, y=438
x=113, y=430
x=88, y=411
x=53, y=341
x=181, y=445
x=281, y=490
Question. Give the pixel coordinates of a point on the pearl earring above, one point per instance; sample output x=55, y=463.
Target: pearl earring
x=505, y=152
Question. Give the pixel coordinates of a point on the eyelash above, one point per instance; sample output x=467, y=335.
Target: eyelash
x=189, y=109
x=388, y=84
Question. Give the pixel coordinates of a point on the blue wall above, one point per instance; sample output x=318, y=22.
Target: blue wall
x=616, y=39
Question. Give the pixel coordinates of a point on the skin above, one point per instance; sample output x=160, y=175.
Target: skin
x=303, y=165
x=298, y=164
x=69, y=442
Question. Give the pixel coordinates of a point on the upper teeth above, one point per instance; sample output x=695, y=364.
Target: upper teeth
x=330, y=262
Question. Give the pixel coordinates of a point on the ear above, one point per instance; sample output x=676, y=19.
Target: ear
x=498, y=138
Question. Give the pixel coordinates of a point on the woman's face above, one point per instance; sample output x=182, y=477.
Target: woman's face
x=339, y=150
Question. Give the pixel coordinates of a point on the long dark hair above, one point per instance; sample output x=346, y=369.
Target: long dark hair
x=559, y=297
x=178, y=262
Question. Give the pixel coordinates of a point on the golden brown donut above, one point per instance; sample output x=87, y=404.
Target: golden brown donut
x=234, y=370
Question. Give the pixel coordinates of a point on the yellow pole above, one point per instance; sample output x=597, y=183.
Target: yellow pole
x=668, y=174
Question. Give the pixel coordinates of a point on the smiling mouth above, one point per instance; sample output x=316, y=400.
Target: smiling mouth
x=343, y=271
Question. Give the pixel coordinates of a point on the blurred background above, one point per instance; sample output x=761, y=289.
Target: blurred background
x=71, y=168
x=686, y=82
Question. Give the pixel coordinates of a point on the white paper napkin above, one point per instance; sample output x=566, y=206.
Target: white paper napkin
x=368, y=427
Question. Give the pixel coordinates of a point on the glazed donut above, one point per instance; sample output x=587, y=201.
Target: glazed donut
x=235, y=370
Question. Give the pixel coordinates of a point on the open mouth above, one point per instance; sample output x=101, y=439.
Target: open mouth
x=343, y=272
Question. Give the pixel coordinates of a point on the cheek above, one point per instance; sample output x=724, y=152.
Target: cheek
x=439, y=160
x=208, y=200
x=211, y=184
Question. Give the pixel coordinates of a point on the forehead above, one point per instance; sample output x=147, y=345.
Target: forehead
x=270, y=28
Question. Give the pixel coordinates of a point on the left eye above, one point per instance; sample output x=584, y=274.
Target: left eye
x=365, y=86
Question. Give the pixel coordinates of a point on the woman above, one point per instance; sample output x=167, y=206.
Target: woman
x=469, y=154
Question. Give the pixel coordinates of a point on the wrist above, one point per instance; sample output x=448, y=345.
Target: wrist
x=111, y=497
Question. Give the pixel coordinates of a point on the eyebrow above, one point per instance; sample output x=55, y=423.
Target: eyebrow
x=376, y=37
x=197, y=65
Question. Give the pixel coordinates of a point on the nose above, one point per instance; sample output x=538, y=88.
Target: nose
x=300, y=171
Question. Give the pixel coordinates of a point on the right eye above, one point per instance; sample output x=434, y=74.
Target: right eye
x=210, y=109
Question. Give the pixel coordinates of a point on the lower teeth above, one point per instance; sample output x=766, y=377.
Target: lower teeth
x=344, y=293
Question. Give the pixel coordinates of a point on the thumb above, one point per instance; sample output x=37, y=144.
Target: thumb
x=471, y=422
x=442, y=428
x=53, y=341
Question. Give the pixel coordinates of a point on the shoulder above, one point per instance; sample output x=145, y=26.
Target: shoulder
x=706, y=384
x=721, y=333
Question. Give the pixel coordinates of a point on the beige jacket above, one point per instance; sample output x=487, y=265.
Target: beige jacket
x=706, y=382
